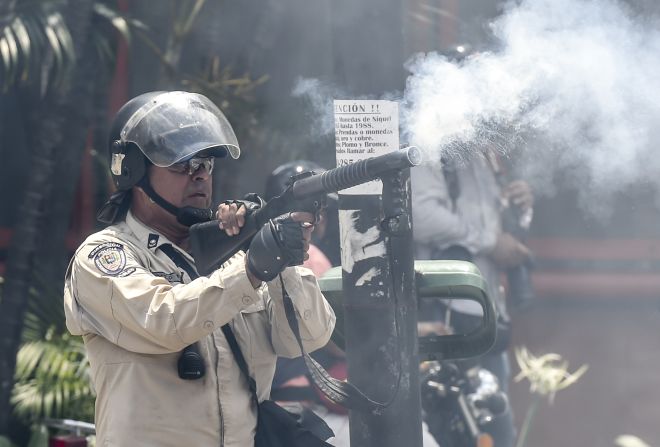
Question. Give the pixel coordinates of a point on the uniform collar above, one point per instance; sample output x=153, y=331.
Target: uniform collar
x=149, y=238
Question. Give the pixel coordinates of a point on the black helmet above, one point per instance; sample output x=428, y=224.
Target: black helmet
x=162, y=128
x=279, y=179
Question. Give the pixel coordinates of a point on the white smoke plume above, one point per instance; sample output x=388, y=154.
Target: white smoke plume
x=571, y=88
x=320, y=97
x=576, y=83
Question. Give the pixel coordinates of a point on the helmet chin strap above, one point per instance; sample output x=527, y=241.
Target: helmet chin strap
x=187, y=215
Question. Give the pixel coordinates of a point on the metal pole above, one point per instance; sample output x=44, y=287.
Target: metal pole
x=381, y=315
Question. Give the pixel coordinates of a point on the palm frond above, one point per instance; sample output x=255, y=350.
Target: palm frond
x=24, y=45
x=52, y=380
x=121, y=22
x=52, y=372
x=31, y=30
x=36, y=45
x=187, y=16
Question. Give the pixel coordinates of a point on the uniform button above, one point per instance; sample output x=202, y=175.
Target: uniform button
x=247, y=300
x=307, y=314
x=208, y=324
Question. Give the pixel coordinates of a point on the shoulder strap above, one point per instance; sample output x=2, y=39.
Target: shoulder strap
x=238, y=355
x=338, y=391
x=190, y=360
x=179, y=260
x=182, y=263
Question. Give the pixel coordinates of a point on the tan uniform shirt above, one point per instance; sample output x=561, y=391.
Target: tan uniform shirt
x=136, y=310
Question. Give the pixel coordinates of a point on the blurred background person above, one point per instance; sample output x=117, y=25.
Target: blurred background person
x=458, y=207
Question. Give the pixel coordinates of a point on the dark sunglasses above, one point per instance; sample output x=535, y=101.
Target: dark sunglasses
x=191, y=166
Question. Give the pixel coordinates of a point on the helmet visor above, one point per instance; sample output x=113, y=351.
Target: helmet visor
x=175, y=126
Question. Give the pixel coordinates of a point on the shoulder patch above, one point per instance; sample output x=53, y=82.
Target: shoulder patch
x=110, y=258
x=103, y=246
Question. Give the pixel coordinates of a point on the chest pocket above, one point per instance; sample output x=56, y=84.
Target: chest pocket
x=252, y=329
x=255, y=307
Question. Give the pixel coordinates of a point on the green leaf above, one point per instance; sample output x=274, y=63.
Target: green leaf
x=54, y=379
x=66, y=44
x=6, y=60
x=119, y=22
x=186, y=26
x=13, y=52
x=54, y=43
x=24, y=44
x=39, y=436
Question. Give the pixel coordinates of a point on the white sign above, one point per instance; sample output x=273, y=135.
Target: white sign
x=365, y=129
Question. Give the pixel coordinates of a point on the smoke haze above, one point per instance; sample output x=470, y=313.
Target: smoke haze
x=572, y=86
x=575, y=83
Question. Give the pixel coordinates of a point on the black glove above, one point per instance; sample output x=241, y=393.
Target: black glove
x=277, y=245
x=251, y=201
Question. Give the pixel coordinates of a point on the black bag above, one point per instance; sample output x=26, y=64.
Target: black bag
x=277, y=427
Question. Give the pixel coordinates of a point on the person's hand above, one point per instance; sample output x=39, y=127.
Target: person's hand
x=509, y=252
x=280, y=243
x=231, y=217
x=519, y=193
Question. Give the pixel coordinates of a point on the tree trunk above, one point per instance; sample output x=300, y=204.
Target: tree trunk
x=79, y=110
x=31, y=225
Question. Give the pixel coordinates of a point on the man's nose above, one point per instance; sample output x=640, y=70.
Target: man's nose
x=201, y=174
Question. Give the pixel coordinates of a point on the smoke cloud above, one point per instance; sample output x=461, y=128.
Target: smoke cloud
x=571, y=88
x=574, y=83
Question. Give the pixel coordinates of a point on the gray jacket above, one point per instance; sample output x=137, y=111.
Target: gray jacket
x=475, y=223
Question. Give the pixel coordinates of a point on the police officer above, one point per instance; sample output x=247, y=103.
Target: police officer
x=133, y=294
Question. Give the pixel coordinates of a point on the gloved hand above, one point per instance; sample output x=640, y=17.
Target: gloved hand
x=282, y=242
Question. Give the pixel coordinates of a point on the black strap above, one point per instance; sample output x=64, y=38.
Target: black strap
x=338, y=391
x=153, y=195
x=179, y=260
x=238, y=355
x=183, y=263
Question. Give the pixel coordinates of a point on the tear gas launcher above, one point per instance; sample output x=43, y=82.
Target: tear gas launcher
x=307, y=191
